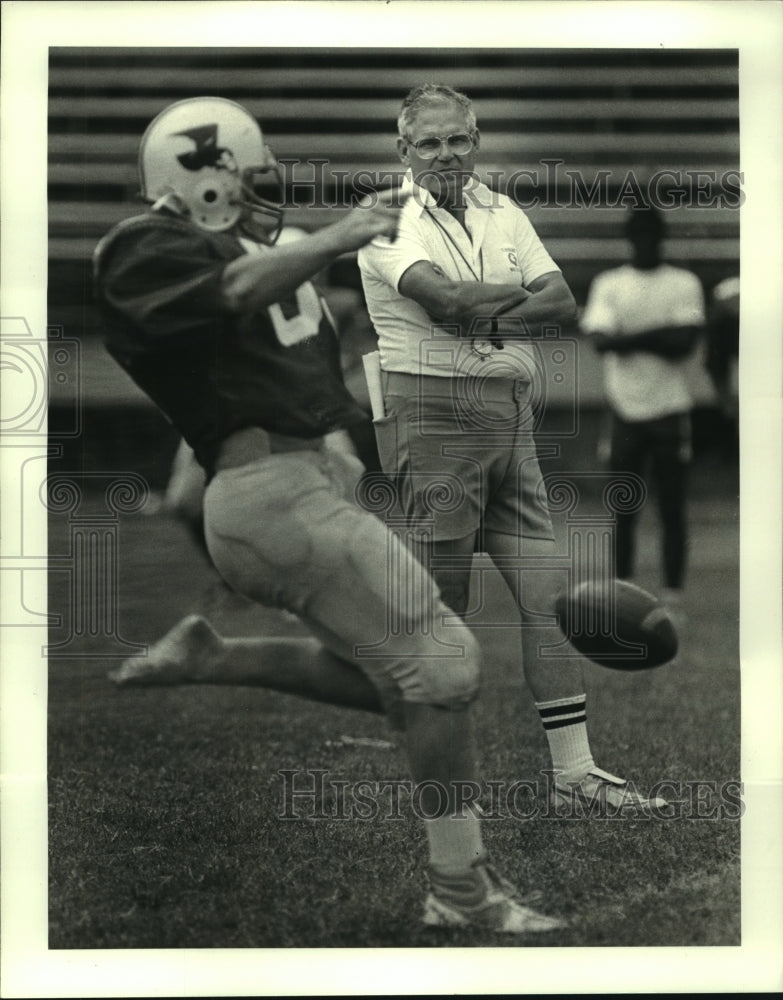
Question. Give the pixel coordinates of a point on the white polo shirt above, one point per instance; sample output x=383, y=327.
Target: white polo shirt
x=640, y=385
x=500, y=246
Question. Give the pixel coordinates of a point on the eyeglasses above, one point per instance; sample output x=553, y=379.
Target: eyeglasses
x=459, y=143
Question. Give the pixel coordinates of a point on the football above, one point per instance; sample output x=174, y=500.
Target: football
x=617, y=624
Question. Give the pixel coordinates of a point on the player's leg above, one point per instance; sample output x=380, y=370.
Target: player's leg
x=671, y=457
x=628, y=455
x=283, y=532
x=184, y=495
x=441, y=743
x=440, y=737
x=378, y=609
x=397, y=634
x=194, y=653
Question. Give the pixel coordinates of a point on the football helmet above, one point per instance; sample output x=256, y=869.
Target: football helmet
x=200, y=157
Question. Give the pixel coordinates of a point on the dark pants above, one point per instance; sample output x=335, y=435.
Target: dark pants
x=663, y=446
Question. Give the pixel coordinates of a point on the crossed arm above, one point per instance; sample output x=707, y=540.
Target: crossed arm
x=666, y=341
x=546, y=300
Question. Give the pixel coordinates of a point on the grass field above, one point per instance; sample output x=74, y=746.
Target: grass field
x=165, y=804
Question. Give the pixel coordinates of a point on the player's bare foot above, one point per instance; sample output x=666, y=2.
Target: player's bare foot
x=184, y=655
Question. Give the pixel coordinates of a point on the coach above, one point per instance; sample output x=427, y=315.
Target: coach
x=455, y=300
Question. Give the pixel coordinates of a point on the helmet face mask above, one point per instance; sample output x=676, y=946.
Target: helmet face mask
x=252, y=201
x=201, y=155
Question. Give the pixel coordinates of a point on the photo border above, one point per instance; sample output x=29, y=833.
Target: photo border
x=28, y=967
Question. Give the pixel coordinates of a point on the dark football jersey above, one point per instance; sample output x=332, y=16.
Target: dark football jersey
x=158, y=279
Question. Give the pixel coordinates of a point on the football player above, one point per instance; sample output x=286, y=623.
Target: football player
x=224, y=332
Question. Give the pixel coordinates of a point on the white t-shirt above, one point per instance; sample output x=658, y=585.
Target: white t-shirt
x=500, y=247
x=640, y=385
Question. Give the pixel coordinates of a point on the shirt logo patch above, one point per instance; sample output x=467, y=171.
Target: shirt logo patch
x=511, y=253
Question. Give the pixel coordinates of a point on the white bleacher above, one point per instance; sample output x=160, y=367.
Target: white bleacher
x=615, y=112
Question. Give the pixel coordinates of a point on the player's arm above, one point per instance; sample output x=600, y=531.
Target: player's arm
x=666, y=341
x=252, y=282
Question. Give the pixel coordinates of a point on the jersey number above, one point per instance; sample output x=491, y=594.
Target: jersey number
x=298, y=317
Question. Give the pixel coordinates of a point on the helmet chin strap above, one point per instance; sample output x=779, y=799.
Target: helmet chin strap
x=171, y=202
x=261, y=206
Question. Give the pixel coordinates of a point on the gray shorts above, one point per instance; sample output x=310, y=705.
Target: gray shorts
x=462, y=456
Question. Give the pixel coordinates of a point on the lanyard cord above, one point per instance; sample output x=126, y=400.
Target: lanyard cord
x=448, y=237
x=494, y=340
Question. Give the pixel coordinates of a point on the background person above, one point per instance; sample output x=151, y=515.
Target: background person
x=646, y=317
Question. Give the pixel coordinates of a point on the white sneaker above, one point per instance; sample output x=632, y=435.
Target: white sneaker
x=481, y=898
x=601, y=793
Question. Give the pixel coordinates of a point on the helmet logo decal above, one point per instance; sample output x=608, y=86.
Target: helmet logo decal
x=207, y=152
